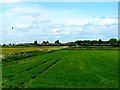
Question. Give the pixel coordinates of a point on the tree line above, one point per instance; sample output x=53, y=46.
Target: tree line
x=100, y=42
x=111, y=42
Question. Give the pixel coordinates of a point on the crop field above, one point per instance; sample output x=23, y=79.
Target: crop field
x=17, y=49
x=62, y=69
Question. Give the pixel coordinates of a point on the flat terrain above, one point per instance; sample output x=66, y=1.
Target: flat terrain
x=17, y=49
x=63, y=69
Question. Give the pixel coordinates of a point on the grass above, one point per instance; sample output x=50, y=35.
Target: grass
x=64, y=69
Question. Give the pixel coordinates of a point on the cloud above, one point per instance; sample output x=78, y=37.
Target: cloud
x=108, y=21
x=38, y=23
x=21, y=26
x=92, y=29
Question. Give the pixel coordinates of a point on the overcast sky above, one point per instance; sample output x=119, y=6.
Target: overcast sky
x=66, y=21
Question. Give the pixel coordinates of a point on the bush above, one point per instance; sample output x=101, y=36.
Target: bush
x=18, y=56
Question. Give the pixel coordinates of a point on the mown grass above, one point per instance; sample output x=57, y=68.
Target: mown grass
x=82, y=69
x=64, y=69
x=28, y=68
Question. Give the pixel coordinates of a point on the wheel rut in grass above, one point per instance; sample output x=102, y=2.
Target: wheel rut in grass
x=37, y=65
x=23, y=83
x=44, y=61
x=43, y=66
x=37, y=74
x=13, y=58
x=40, y=62
x=28, y=69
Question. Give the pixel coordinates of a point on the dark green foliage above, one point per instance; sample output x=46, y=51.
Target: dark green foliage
x=18, y=56
x=4, y=45
x=113, y=41
x=100, y=41
x=35, y=42
x=57, y=42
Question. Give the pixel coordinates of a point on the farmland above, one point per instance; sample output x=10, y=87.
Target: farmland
x=63, y=69
x=17, y=49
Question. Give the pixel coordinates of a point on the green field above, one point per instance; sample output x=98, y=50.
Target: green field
x=63, y=69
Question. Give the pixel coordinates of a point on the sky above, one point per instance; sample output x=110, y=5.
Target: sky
x=66, y=21
x=58, y=1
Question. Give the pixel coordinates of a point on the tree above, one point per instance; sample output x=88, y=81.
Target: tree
x=35, y=42
x=57, y=42
x=77, y=42
x=119, y=42
x=113, y=41
x=94, y=42
x=10, y=44
x=4, y=45
x=47, y=42
x=44, y=42
x=100, y=41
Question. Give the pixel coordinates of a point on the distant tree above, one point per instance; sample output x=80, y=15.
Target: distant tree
x=77, y=42
x=89, y=43
x=35, y=42
x=113, y=41
x=4, y=45
x=13, y=44
x=47, y=42
x=69, y=44
x=57, y=42
x=100, y=41
x=94, y=42
x=10, y=44
x=43, y=41
x=119, y=42
x=84, y=42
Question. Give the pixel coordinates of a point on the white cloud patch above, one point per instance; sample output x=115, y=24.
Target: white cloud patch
x=108, y=21
x=20, y=26
x=31, y=23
